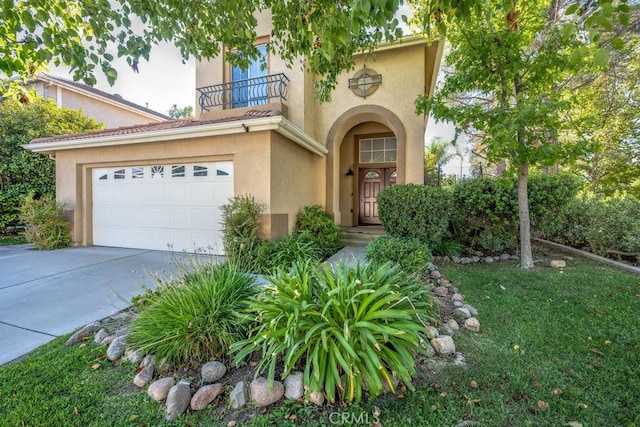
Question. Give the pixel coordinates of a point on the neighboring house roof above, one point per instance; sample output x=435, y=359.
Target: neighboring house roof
x=98, y=94
x=252, y=120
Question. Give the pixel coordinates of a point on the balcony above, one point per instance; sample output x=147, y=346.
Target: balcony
x=244, y=93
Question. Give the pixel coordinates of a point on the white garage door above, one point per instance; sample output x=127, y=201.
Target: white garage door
x=163, y=207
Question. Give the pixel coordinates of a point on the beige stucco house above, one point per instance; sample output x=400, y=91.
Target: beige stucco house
x=258, y=132
x=112, y=110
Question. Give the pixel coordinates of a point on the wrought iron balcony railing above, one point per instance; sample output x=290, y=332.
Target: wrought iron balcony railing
x=244, y=93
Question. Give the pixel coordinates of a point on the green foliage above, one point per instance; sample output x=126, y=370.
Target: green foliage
x=176, y=112
x=276, y=254
x=196, y=317
x=342, y=326
x=449, y=248
x=513, y=99
x=435, y=157
x=320, y=227
x=606, y=114
x=23, y=172
x=326, y=32
x=46, y=227
x=416, y=211
x=411, y=254
x=599, y=224
x=485, y=210
x=240, y=222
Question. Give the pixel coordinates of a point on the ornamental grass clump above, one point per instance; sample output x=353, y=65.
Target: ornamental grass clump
x=196, y=317
x=346, y=328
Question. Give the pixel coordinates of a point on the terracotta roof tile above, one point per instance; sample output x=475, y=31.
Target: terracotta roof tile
x=152, y=127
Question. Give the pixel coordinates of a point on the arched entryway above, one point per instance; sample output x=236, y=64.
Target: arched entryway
x=366, y=153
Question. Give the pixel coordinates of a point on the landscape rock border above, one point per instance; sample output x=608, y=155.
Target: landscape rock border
x=210, y=388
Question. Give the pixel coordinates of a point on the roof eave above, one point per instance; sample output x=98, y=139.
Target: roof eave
x=276, y=123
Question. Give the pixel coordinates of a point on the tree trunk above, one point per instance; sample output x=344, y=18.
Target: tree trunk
x=526, y=256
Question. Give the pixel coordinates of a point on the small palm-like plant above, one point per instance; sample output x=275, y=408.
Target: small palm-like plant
x=196, y=317
x=344, y=327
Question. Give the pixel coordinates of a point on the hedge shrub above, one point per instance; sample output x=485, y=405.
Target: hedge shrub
x=485, y=210
x=415, y=211
x=314, y=222
x=240, y=222
x=45, y=225
x=598, y=224
x=411, y=254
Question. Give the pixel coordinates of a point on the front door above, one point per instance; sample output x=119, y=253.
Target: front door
x=371, y=181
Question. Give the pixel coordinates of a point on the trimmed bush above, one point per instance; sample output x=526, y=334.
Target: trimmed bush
x=45, y=226
x=274, y=254
x=343, y=327
x=485, y=210
x=598, y=224
x=415, y=211
x=196, y=317
x=240, y=222
x=316, y=224
x=412, y=255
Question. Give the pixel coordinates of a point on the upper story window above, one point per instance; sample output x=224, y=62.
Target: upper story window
x=378, y=150
x=248, y=89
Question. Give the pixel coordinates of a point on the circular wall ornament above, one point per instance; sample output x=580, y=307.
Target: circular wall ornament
x=365, y=82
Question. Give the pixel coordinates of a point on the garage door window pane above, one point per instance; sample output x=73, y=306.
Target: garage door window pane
x=200, y=170
x=178, y=171
x=137, y=173
x=224, y=168
x=157, y=172
x=118, y=174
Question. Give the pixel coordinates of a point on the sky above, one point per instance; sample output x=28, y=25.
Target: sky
x=160, y=83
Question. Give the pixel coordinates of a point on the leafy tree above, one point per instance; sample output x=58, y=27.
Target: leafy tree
x=517, y=66
x=608, y=115
x=436, y=156
x=23, y=172
x=87, y=34
x=176, y=112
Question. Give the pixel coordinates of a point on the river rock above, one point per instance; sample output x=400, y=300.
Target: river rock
x=461, y=313
x=144, y=376
x=83, y=333
x=116, y=348
x=316, y=397
x=238, y=396
x=293, y=386
x=159, y=389
x=558, y=263
x=100, y=336
x=263, y=394
x=453, y=325
x=440, y=291
x=432, y=332
x=472, y=310
x=213, y=371
x=205, y=395
x=472, y=324
x=178, y=400
x=443, y=345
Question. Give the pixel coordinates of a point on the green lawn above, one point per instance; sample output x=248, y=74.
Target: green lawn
x=575, y=332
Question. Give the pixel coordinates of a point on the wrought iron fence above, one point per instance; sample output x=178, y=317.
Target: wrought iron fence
x=244, y=93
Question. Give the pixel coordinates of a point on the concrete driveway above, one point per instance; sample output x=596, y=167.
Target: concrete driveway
x=45, y=294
